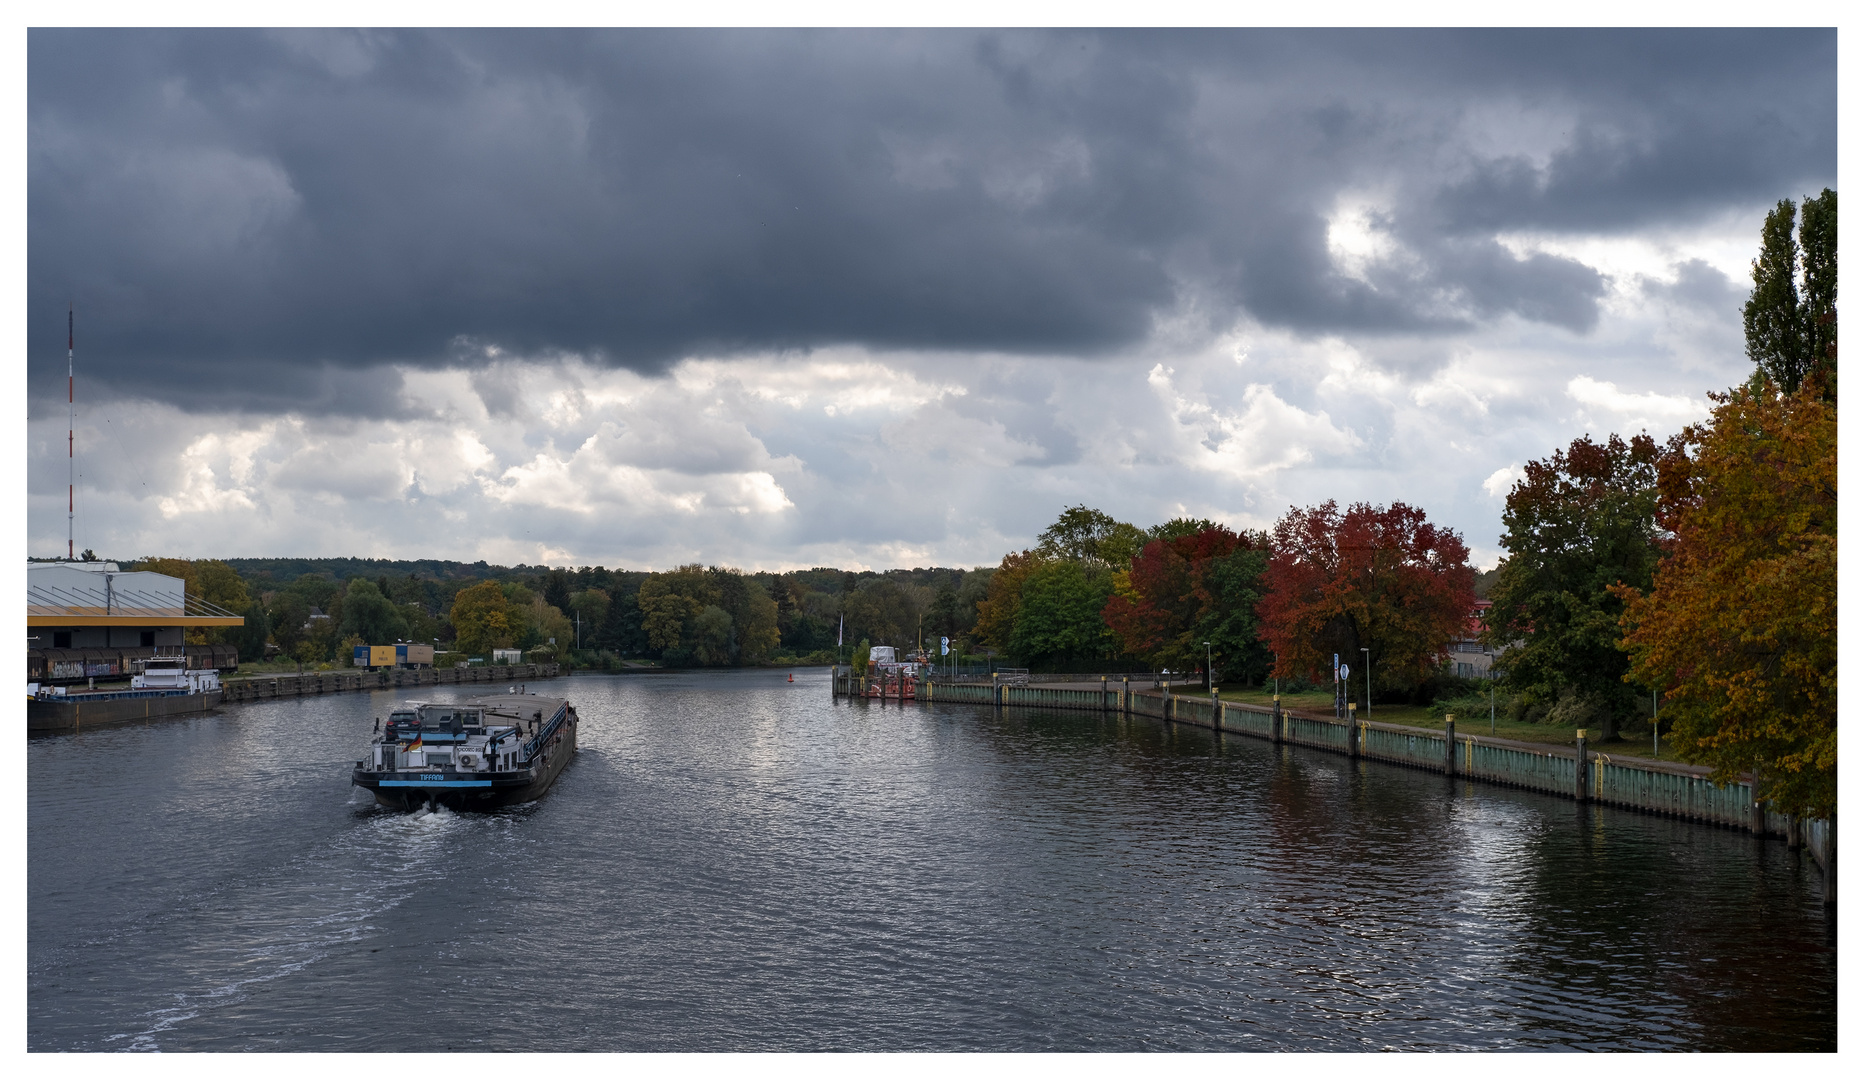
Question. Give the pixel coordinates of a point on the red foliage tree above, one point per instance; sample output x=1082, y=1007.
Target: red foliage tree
x=1183, y=592
x=1379, y=578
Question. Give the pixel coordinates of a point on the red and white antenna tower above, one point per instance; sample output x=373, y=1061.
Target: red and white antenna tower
x=71, y=454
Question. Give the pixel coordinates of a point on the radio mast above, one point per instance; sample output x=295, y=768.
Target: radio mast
x=71, y=455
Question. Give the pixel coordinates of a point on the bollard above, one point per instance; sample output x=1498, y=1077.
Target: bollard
x=1275, y=724
x=1126, y=695
x=1450, y=745
x=1353, y=731
x=1758, y=809
x=1217, y=712
x=1103, y=693
x=1580, y=765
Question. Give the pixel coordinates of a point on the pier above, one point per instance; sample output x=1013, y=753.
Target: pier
x=267, y=687
x=1575, y=772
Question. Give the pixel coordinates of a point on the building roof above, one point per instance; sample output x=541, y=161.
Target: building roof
x=59, y=594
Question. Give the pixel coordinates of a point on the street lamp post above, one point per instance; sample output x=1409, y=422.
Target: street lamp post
x=1369, y=681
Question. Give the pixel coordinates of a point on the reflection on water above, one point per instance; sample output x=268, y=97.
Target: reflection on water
x=735, y=862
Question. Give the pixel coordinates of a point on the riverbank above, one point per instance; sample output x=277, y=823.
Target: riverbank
x=1575, y=770
x=268, y=687
x=1425, y=717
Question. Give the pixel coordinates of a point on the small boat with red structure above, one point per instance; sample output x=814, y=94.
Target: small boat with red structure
x=890, y=677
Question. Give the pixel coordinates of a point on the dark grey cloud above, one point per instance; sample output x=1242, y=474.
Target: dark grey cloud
x=251, y=218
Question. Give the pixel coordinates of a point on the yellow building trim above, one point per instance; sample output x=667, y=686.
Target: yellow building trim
x=134, y=620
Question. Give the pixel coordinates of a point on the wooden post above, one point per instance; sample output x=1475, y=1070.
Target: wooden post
x=1450, y=745
x=1103, y=693
x=1829, y=892
x=1217, y=711
x=1126, y=695
x=1580, y=765
x=1758, y=809
x=1353, y=731
x=1275, y=728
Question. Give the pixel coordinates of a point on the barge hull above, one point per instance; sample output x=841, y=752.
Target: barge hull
x=52, y=717
x=468, y=791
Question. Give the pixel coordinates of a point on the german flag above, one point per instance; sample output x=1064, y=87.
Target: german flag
x=413, y=746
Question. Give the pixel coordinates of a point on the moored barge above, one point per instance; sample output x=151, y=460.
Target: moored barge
x=166, y=687
x=474, y=754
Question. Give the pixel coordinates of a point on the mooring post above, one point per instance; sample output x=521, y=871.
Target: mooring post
x=1829, y=892
x=1353, y=729
x=1275, y=725
x=1217, y=711
x=1580, y=765
x=1103, y=693
x=1126, y=695
x=1758, y=810
x=1450, y=745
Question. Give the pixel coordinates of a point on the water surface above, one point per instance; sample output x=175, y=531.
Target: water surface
x=733, y=862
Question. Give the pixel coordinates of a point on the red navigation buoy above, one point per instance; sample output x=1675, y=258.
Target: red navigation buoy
x=793, y=676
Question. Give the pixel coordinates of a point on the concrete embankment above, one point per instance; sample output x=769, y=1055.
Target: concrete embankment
x=1575, y=772
x=268, y=687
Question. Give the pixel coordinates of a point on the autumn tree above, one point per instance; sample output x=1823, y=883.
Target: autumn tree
x=1740, y=626
x=1791, y=319
x=1575, y=525
x=1192, y=588
x=997, y=612
x=205, y=579
x=1380, y=578
x=482, y=619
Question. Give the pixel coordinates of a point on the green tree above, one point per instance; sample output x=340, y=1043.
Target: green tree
x=715, y=644
x=1575, y=526
x=1059, y=617
x=1791, y=319
x=286, y=613
x=1091, y=536
x=592, y=606
x=251, y=638
x=369, y=615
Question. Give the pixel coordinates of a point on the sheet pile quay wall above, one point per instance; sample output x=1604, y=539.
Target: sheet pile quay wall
x=1684, y=791
x=267, y=687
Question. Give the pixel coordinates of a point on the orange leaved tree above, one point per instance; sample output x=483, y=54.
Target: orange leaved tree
x=1379, y=578
x=1741, y=624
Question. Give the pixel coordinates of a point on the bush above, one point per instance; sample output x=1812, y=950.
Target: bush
x=1470, y=705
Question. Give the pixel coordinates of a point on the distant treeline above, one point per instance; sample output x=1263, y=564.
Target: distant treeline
x=314, y=609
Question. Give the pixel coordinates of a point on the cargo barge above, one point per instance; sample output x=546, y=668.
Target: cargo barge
x=475, y=754
x=167, y=687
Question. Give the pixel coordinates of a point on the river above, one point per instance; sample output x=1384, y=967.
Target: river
x=734, y=862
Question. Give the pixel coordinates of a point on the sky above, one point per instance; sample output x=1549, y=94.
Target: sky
x=784, y=299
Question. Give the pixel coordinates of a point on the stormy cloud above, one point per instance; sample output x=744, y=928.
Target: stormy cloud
x=247, y=219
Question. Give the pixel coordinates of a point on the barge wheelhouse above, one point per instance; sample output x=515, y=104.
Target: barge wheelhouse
x=474, y=754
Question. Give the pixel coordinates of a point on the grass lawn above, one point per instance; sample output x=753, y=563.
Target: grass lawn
x=1635, y=742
